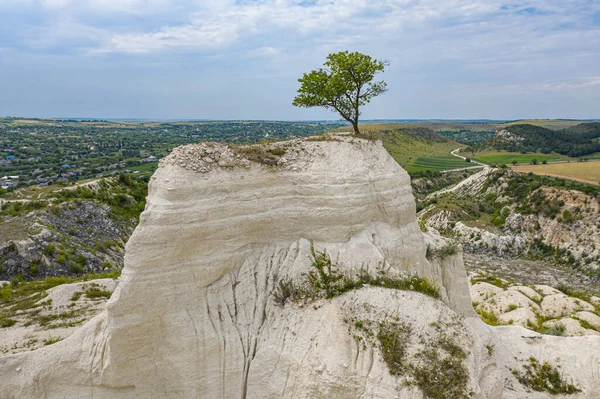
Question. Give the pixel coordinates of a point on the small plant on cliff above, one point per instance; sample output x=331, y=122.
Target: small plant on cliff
x=441, y=372
x=286, y=290
x=543, y=377
x=325, y=276
x=449, y=249
x=393, y=339
x=326, y=280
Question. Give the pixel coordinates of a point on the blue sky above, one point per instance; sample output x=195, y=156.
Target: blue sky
x=240, y=59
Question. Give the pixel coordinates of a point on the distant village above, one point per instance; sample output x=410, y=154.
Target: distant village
x=39, y=154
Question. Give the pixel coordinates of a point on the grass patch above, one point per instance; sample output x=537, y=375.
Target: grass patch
x=557, y=329
x=490, y=279
x=488, y=317
x=449, y=249
x=6, y=322
x=440, y=372
x=96, y=292
x=26, y=295
x=52, y=340
x=393, y=338
x=543, y=377
x=326, y=281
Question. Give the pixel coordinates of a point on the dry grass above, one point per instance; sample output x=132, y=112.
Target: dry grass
x=586, y=172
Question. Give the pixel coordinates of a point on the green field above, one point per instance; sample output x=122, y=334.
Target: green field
x=508, y=157
x=415, y=148
x=438, y=163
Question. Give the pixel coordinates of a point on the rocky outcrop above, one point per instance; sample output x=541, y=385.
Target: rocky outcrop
x=550, y=222
x=194, y=314
x=71, y=238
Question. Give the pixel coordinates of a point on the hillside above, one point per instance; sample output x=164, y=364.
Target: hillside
x=69, y=230
x=417, y=149
x=502, y=213
x=575, y=141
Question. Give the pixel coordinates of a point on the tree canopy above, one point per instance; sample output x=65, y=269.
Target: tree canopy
x=345, y=84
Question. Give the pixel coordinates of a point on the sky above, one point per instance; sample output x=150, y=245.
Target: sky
x=241, y=59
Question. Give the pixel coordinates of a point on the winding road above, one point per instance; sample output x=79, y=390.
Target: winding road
x=454, y=153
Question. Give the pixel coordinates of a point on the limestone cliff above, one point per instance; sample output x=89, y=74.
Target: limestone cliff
x=194, y=313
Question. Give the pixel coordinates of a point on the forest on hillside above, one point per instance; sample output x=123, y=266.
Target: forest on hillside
x=576, y=141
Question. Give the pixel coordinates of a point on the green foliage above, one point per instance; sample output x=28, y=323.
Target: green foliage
x=441, y=372
x=49, y=249
x=512, y=307
x=438, y=163
x=25, y=295
x=557, y=329
x=325, y=280
x=52, y=340
x=344, y=85
x=125, y=196
x=513, y=157
x=18, y=208
x=490, y=349
x=450, y=248
x=488, y=317
x=96, y=292
x=575, y=141
x=325, y=276
x=393, y=338
x=543, y=377
x=490, y=279
x=6, y=322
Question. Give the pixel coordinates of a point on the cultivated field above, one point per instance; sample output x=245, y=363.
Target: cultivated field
x=503, y=157
x=587, y=172
x=554, y=124
x=439, y=163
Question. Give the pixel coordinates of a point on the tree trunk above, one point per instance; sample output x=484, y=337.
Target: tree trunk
x=355, y=127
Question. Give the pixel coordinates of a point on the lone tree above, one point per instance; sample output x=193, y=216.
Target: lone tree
x=344, y=84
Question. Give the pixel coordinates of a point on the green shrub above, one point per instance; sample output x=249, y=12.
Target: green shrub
x=447, y=250
x=557, y=329
x=34, y=269
x=285, y=291
x=49, y=249
x=325, y=276
x=325, y=280
x=6, y=322
x=76, y=268
x=393, y=338
x=96, y=292
x=442, y=376
x=543, y=377
x=489, y=317
x=52, y=340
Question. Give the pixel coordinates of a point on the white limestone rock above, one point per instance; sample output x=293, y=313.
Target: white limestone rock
x=561, y=305
x=194, y=315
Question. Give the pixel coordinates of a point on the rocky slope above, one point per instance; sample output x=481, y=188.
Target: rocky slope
x=501, y=213
x=537, y=307
x=71, y=231
x=198, y=311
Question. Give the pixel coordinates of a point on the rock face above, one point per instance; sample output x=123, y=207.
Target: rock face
x=194, y=313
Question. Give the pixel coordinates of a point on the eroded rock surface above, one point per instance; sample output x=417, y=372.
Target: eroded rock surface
x=194, y=313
